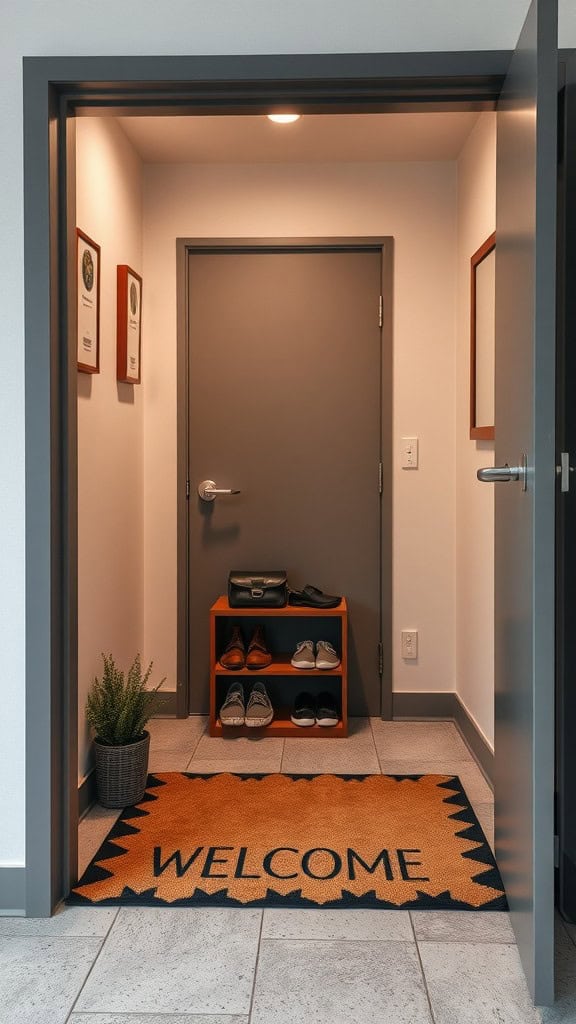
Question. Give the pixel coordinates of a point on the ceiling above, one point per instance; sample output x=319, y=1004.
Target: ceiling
x=315, y=138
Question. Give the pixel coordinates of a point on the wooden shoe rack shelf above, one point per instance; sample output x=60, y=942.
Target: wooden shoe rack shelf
x=281, y=624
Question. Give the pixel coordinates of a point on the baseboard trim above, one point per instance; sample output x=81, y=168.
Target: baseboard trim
x=424, y=705
x=12, y=892
x=167, y=708
x=86, y=793
x=475, y=740
x=446, y=707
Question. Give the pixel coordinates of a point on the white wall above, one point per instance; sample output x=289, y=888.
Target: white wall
x=30, y=27
x=110, y=519
x=415, y=203
x=474, y=501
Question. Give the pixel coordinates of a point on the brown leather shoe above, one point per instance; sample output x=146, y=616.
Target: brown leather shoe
x=234, y=654
x=258, y=654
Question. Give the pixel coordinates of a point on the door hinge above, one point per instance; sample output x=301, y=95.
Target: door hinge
x=381, y=311
x=380, y=478
x=187, y=489
x=556, y=851
x=563, y=471
x=380, y=658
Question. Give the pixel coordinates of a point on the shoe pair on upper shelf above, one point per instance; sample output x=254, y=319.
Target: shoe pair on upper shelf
x=256, y=714
x=235, y=656
x=312, y=597
x=321, y=710
x=305, y=657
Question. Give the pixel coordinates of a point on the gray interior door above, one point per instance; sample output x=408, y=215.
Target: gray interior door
x=284, y=404
x=525, y=424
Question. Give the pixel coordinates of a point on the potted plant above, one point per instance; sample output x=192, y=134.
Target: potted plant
x=118, y=710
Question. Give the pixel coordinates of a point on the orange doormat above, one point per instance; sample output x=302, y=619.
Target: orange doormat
x=395, y=842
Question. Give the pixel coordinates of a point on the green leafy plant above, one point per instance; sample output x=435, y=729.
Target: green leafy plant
x=118, y=708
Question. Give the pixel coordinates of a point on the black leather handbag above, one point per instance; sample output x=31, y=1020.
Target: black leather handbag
x=257, y=589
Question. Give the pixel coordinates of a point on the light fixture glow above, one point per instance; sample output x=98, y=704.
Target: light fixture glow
x=284, y=118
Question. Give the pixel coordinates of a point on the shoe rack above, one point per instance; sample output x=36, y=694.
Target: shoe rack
x=284, y=627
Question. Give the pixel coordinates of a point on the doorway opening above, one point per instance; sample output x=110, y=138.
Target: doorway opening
x=307, y=411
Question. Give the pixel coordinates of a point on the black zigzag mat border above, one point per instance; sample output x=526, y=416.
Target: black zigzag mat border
x=112, y=848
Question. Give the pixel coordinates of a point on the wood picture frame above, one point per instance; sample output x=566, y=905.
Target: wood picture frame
x=87, y=303
x=482, y=338
x=128, y=325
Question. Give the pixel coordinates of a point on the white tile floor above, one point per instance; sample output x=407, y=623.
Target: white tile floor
x=185, y=966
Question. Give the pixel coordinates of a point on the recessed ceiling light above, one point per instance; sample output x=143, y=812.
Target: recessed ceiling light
x=284, y=118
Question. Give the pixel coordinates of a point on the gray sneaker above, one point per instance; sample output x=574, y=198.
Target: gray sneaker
x=233, y=709
x=326, y=656
x=303, y=656
x=259, y=711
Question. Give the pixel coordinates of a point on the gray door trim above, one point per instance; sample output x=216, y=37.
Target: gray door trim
x=54, y=90
x=12, y=892
x=188, y=246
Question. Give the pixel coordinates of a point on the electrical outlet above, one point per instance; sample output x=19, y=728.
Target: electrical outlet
x=409, y=644
x=409, y=453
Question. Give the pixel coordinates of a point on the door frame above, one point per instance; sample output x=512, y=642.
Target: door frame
x=55, y=91
x=186, y=247
x=565, y=546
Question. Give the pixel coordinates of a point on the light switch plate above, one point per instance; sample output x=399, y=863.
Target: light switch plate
x=409, y=453
x=410, y=644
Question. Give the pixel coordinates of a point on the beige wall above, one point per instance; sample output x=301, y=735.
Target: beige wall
x=110, y=573
x=474, y=501
x=438, y=213
x=416, y=203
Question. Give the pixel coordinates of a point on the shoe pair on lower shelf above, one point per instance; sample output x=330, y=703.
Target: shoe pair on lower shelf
x=257, y=713
x=321, y=710
x=309, y=655
x=235, y=656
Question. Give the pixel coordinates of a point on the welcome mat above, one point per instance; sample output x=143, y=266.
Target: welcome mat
x=396, y=842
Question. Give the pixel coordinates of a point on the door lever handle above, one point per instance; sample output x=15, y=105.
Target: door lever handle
x=495, y=474
x=208, y=491
x=502, y=474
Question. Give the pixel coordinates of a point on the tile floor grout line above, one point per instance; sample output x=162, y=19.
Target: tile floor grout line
x=315, y=938
x=196, y=745
x=92, y=966
x=256, y=962
x=79, y=993
x=153, y=1014
x=375, y=745
x=423, y=973
x=194, y=748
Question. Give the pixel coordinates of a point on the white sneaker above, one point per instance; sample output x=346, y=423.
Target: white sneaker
x=303, y=656
x=326, y=656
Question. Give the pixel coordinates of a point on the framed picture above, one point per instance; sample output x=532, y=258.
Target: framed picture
x=129, y=325
x=88, y=303
x=482, y=340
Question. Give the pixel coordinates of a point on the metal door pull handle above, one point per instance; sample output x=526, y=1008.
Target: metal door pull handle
x=208, y=490
x=492, y=474
x=502, y=474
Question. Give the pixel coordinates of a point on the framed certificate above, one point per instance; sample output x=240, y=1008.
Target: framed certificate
x=129, y=325
x=88, y=303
